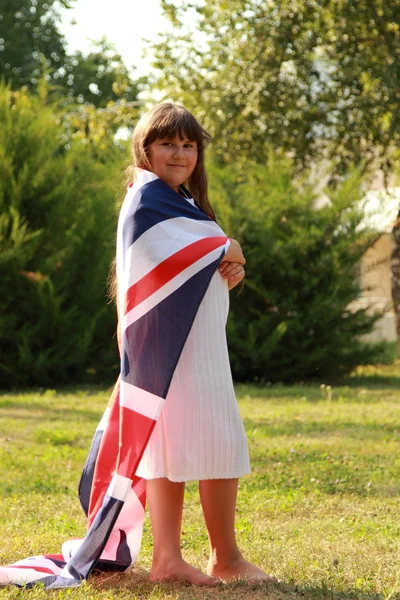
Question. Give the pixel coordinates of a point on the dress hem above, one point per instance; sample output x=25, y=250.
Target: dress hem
x=184, y=479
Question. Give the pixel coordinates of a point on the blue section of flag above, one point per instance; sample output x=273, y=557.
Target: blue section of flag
x=155, y=202
x=155, y=341
x=85, y=484
x=84, y=560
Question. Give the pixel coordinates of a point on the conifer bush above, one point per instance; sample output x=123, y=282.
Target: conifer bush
x=291, y=321
x=57, y=233
x=293, y=318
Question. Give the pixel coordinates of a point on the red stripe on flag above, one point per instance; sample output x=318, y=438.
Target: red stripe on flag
x=170, y=268
x=139, y=488
x=106, y=462
x=135, y=431
x=27, y=566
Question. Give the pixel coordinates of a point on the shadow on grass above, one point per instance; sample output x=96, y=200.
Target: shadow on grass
x=137, y=581
x=370, y=381
x=343, y=394
x=73, y=389
x=370, y=377
x=322, y=429
x=48, y=414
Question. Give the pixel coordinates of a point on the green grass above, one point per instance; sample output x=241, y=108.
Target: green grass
x=320, y=510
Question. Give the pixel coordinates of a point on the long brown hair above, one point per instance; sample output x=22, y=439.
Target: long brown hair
x=167, y=120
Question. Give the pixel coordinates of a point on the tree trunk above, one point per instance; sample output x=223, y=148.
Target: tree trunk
x=395, y=265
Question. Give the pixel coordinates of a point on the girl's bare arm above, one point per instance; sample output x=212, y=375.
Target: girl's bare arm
x=234, y=253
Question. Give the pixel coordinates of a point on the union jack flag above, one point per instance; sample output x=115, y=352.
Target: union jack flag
x=167, y=253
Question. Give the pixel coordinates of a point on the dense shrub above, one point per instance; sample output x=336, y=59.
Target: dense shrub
x=57, y=233
x=57, y=229
x=293, y=320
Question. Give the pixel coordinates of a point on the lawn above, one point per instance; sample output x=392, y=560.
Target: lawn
x=320, y=510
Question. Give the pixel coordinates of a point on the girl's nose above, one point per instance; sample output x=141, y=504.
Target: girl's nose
x=178, y=151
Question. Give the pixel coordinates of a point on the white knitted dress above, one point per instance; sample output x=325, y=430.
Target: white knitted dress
x=200, y=434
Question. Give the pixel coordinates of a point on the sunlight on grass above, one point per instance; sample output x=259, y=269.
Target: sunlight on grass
x=320, y=509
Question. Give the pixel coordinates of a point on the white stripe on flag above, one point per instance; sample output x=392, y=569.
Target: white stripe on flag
x=9, y=575
x=119, y=486
x=104, y=420
x=160, y=242
x=166, y=290
x=20, y=576
x=37, y=561
x=71, y=547
x=142, y=402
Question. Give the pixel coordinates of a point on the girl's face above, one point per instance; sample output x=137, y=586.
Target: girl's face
x=173, y=160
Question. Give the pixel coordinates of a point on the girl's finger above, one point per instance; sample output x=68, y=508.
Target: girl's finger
x=230, y=269
x=235, y=269
x=223, y=266
x=229, y=273
x=237, y=276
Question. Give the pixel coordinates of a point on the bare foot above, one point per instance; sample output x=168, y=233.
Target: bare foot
x=179, y=570
x=239, y=569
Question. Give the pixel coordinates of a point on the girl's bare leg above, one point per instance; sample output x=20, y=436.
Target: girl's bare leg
x=218, y=499
x=165, y=500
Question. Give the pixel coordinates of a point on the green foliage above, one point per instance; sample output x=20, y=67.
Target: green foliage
x=29, y=32
x=293, y=319
x=384, y=353
x=100, y=77
x=32, y=48
x=316, y=79
x=57, y=240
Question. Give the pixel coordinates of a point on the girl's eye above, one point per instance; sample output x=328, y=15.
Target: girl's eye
x=168, y=144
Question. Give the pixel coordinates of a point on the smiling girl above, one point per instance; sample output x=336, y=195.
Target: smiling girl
x=199, y=434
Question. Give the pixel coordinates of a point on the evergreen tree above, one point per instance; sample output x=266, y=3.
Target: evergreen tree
x=293, y=319
x=57, y=206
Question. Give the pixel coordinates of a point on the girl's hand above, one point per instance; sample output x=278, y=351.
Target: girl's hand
x=232, y=271
x=234, y=253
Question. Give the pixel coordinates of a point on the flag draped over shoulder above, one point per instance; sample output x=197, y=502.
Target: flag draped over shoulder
x=167, y=253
